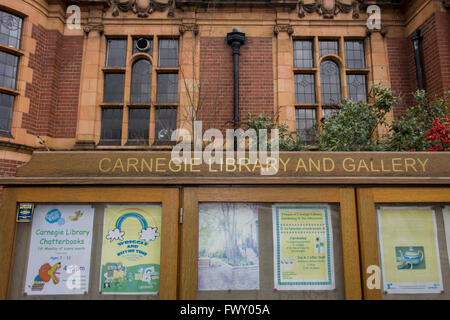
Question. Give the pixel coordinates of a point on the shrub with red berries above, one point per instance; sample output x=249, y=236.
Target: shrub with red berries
x=439, y=135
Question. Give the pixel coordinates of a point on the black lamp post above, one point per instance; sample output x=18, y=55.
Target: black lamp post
x=416, y=42
x=235, y=39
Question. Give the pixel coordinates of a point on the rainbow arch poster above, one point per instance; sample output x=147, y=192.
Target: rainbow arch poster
x=131, y=250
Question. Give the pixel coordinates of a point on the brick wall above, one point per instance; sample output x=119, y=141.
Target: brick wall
x=216, y=78
x=436, y=61
x=55, y=86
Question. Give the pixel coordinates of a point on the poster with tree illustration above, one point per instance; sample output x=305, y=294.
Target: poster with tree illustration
x=228, y=246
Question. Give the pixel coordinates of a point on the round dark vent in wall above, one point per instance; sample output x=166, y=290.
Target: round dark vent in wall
x=142, y=44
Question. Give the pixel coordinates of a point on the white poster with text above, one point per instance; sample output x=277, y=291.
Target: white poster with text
x=60, y=249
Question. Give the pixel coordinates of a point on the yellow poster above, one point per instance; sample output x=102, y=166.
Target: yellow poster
x=131, y=250
x=303, y=247
x=409, y=250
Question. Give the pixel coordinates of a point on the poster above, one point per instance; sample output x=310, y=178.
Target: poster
x=60, y=249
x=446, y=214
x=409, y=250
x=228, y=252
x=303, y=247
x=131, y=250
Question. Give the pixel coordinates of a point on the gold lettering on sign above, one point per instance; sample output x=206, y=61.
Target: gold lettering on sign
x=301, y=164
x=423, y=164
x=118, y=164
x=285, y=163
x=325, y=167
x=177, y=166
x=100, y=165
x=410, y=162
x=395, y=164
x=349, y=164
x=159, y=164
x=132, y=162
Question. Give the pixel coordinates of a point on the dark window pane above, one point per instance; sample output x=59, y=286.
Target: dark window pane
x=303, y=54
x=138, y=126
x=8, y=70
x=114, y=87
x=306, y=124
x=141, y=81
x=168, y=53
x=143, y=45
x=111, y=131
x=167, y=91
x=166, y=123
x=356, y=87
x=116, y=54
x=10, y=29
x=354, y=54
x=330, y=82
x=304, y=88
x=6, y=108
x=328, y=47
x=328, y=112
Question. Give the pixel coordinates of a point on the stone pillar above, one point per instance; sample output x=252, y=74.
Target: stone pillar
x=379, y=65
x=88, y=115
x=285, y=103
x=189, y=105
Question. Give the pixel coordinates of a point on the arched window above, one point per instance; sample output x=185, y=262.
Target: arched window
x=330, y=83
x=141, y=81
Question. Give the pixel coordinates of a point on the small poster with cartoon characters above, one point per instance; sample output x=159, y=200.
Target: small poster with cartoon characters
x=131, y=250
x=60, y=249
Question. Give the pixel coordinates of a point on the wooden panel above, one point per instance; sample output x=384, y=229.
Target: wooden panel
x=345, y=196
x=169, y=245
x=105, y=164
x=280, y=194
x=350, y=247
x=169, y=198
x=368, y=239
x=411, y=194
x=7, y=235
x=189, y=248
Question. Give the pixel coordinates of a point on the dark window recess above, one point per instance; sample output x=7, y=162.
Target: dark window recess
x=304, y=88
x=10, y=29
x=356, y=87
x=330, y=83
x=168, y=53
x=6, y=107
x=303, y=54
x=143, y=45
x=165, y=124
x=328, y=47
x=138, y=126
x=354, y=54
x=116, y=53
x=114, y=87
x=306, y=125
x=111, y=130
x=141, y=82
x=328, y=112
x=167, y=91
x=8, y=70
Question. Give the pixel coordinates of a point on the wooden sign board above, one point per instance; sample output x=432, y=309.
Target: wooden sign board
x=293, y=167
